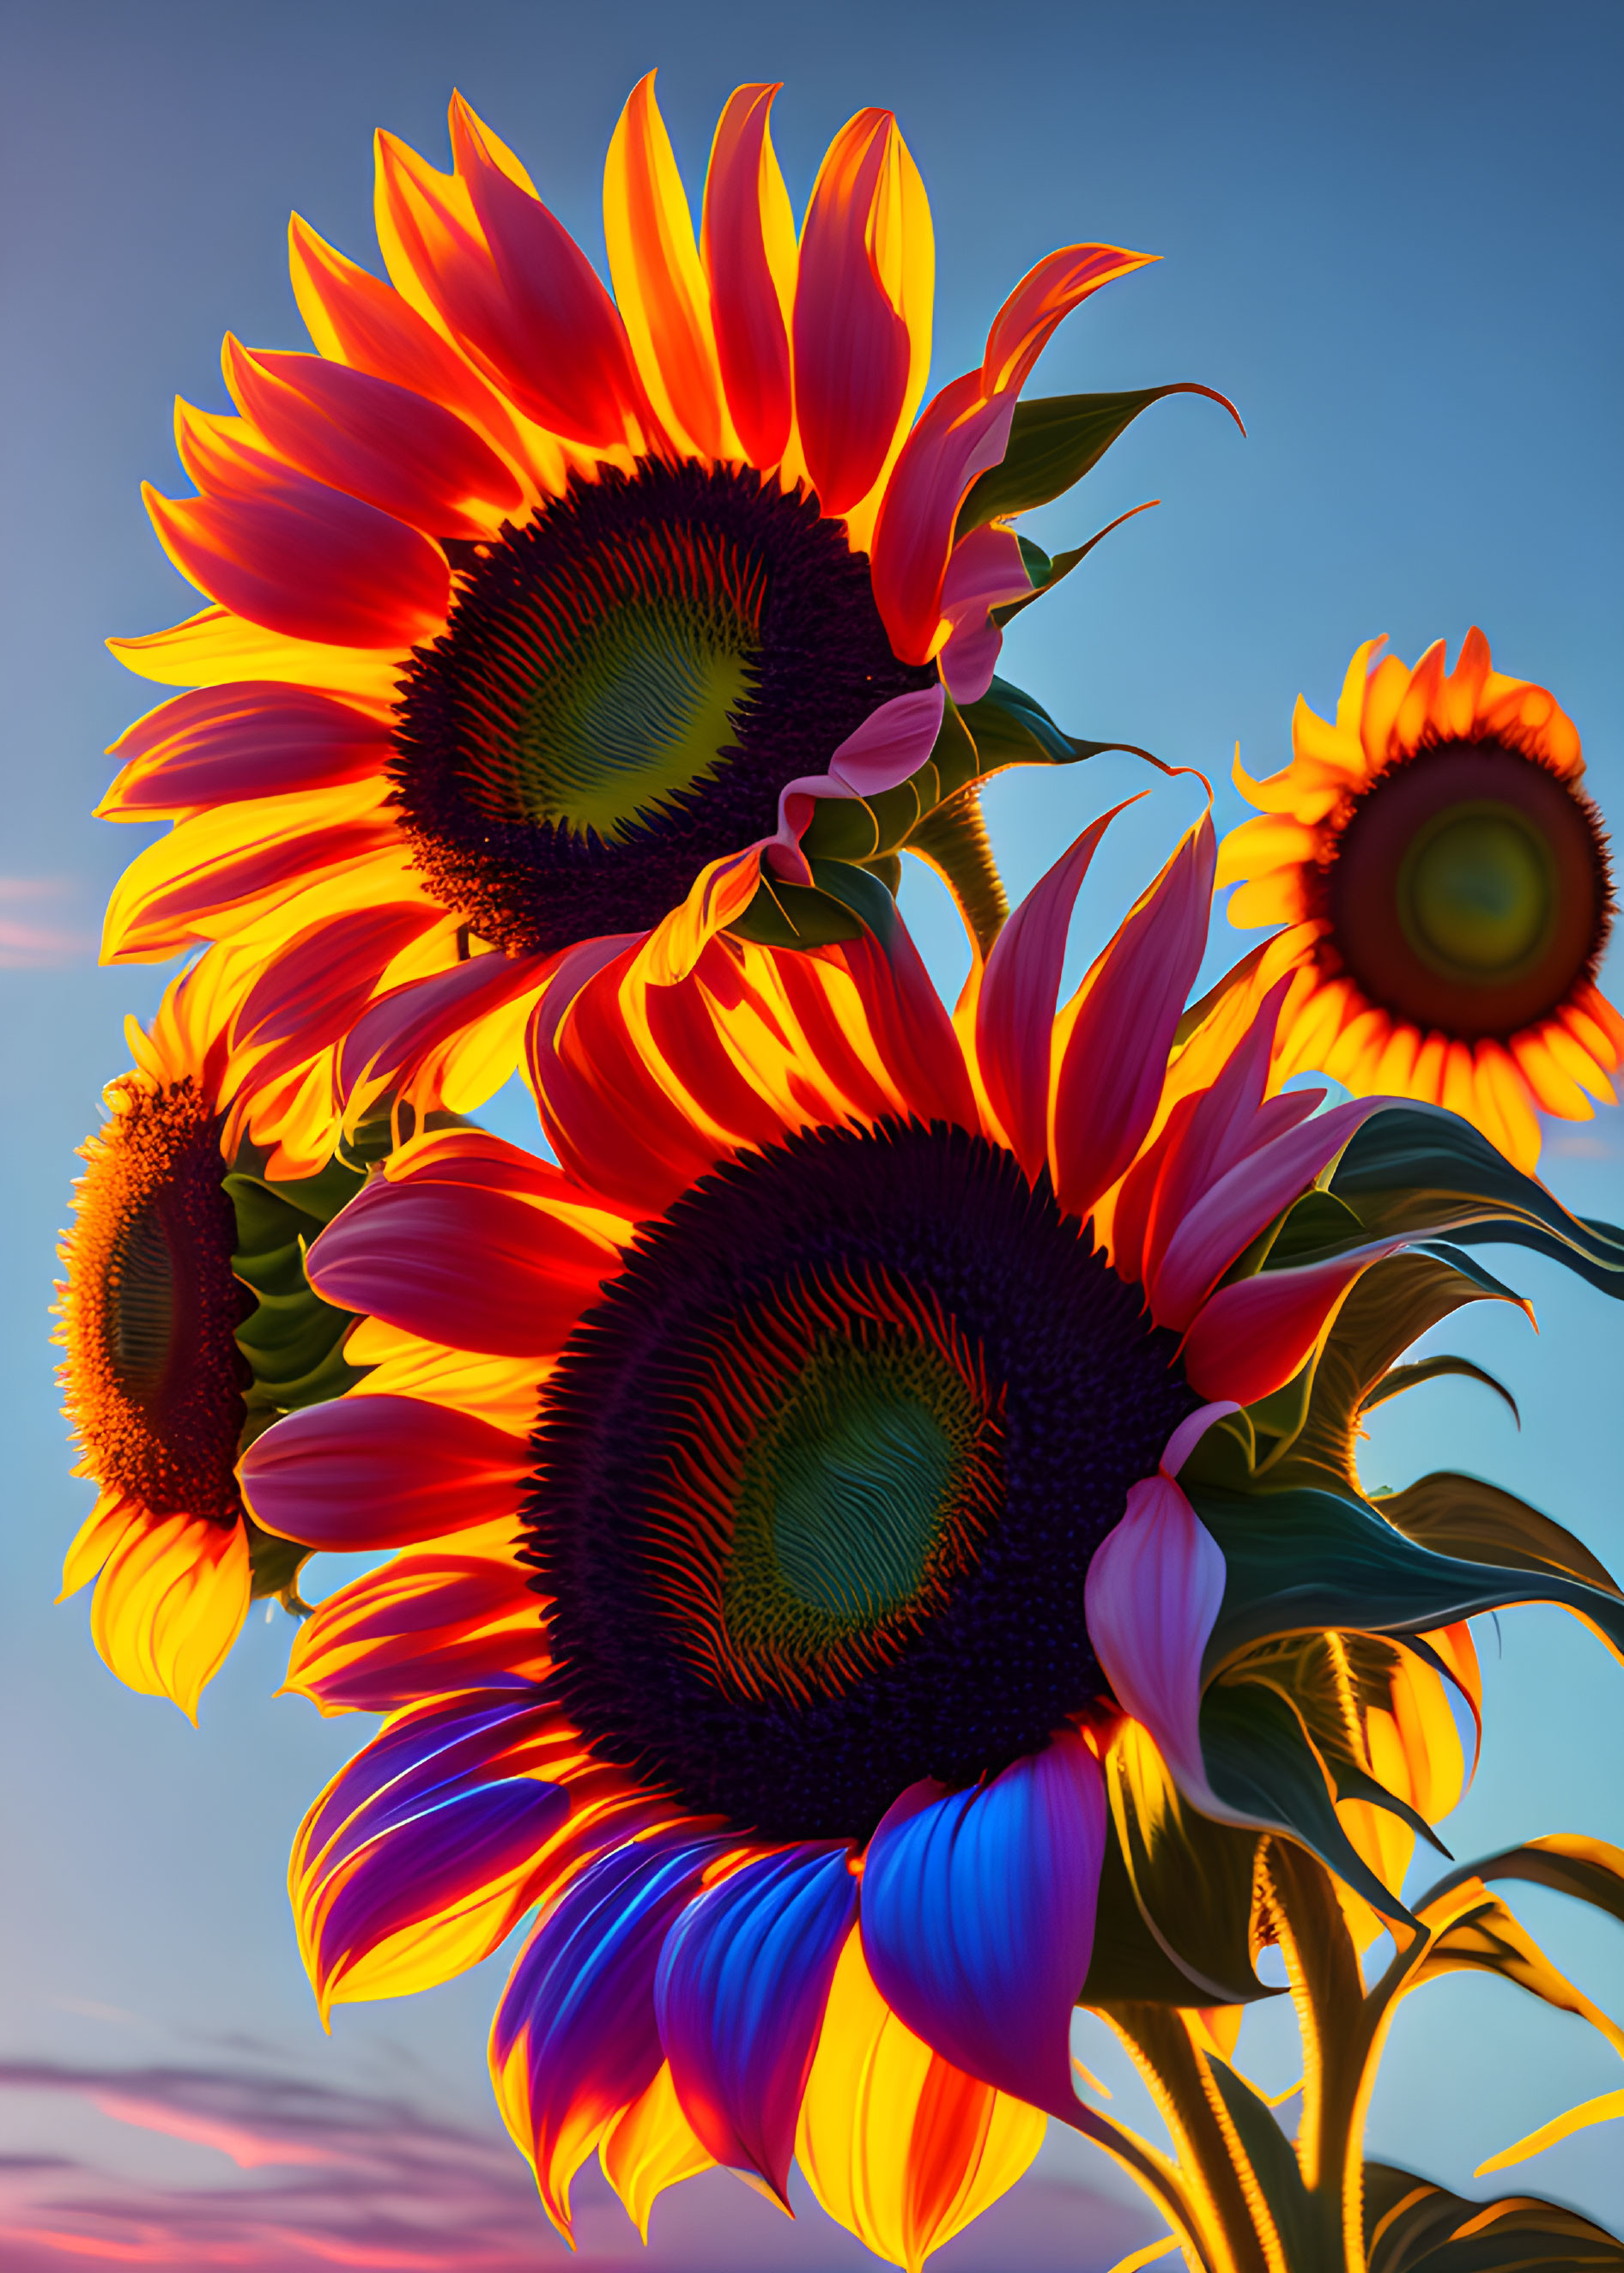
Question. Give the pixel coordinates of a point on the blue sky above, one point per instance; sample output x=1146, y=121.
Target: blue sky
x=1392, y=234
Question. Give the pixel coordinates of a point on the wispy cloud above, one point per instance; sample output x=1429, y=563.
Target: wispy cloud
x=348, y=2179
x=27, y=942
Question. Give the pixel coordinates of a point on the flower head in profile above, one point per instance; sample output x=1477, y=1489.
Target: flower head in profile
x=796, y=1594
x=537, y=614
x=1444, y=882
x=188, y=1325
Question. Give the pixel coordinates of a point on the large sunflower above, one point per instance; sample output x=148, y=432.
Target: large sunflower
x=538, y=615
x=1444, y=882
x=812, y=1437
x=188, y=1325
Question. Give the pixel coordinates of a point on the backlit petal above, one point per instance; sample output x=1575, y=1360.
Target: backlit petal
x=371, y=1472
x=749, y=249
x=1153, y=1594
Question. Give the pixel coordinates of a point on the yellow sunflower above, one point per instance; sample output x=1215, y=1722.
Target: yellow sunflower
x=188, y=1325
x=1444, y=882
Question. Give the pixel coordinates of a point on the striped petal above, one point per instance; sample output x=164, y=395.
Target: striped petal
x=575, y=2040
x=977, y=1912
x=743, y=1981
x=365, y=1472
x=1250, y=1337
x=249, y=739
x=480, y=1270
x=659, y=288
x=425, y=1626
x=748, y=246
x=1113, y=1060
x=853, y=350
x=309, y=562
x=1153, y=1594
x=1014, y=1014
x=169, y=1603
x=401, y=452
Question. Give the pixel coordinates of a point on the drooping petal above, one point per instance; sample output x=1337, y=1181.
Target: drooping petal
x=169, y=1603
x=897, y=2144
x=363, y=435
x=1113, y=1062
x=1152, y=1598
x=425, y=1625
x=575, y=2040
x=309, y=562
x=251, y=738
x=1014, y=1016
x=977, y=1913
x=853, y=350
x=659, y=288
x=369, y=1472
x=743, y=1981
x=410, y=1027
x=985, y=568
x=747, y=239
x=479, y=1269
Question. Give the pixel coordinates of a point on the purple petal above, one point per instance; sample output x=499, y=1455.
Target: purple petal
x=1152, y=1598
x=740, y=1996
x=977, y=1913
x=581, y=1998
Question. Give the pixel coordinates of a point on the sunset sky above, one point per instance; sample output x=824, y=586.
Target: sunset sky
x=1392, y=234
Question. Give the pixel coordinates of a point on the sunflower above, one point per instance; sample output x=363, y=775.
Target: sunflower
x=537, y=615
x=797, y=1597
x=1445, y=884
x=188, y=1325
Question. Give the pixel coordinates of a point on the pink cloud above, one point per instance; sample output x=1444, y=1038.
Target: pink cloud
x=25, y=945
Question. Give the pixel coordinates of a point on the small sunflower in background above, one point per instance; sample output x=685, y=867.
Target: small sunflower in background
x=538, y=614
x=1445, y=887
x=189, y=1325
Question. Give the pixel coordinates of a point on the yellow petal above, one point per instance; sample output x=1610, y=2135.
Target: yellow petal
x=650, y=2148
x=214, y=647
x=1606, y=2109
x=169, y=1603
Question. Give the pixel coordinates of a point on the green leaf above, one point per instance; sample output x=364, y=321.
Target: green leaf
x=1455, y=1514
x=1417, y=1168
x=1127, y=1964
x=843, y=902
x=1590, y=1870
x=954, y=840
x=1305, y=1557
x=1259, y=1761
x=1401, y=1377
x=1166, y=1847
x=1010, y=727
x=274, y=1565
x=1413, y=2226
x=1053, y=441
x=1273, y=2160
x=1046, y=574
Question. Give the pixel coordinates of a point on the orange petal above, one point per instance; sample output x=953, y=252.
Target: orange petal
x=660, y=287
x=650, y=2148
x=214, y=646
x=749, y=251
x=170, y=1602
x=900, y=2146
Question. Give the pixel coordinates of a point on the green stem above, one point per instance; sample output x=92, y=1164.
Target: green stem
x=952, y=838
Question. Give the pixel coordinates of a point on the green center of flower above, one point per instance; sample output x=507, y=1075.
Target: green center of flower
x=1477, y=890
x=643, y=708
x=845, y=1499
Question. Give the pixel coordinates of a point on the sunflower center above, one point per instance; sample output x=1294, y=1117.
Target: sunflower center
x=623, y=687
x=1477, y=890
x=154, y=1376
x=819, y=1482
x=1469, y=890
x=645, y=708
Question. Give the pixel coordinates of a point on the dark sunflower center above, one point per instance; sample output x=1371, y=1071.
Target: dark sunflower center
x=624, y=686
x=1469, y=890
x=155, y=1377
x=819, y=1482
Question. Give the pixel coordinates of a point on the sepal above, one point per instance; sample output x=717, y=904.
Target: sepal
x=1054, y=441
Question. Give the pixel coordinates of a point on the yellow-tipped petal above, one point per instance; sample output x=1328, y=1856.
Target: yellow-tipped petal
x=169, y=1603
x=649, y=2147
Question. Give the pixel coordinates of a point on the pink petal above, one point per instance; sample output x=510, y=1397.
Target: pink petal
x=1225, y=1219
x=1154, y=1590
x=1015, y=1017
x=1044, y=296
x=250, y=738
x=891, y=745
x=309, y=562
x=977, y=1916
x=479, y=1269
x=985, y=569
x=1250, y=1337
x=317, y=984
x=364, y=1473
x=851, y=346
x=1111, y=1078
x=957, y=436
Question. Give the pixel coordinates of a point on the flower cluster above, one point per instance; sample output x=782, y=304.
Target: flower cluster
x=874, y=1552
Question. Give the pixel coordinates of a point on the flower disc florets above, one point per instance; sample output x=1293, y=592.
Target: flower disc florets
x=819, y=1482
